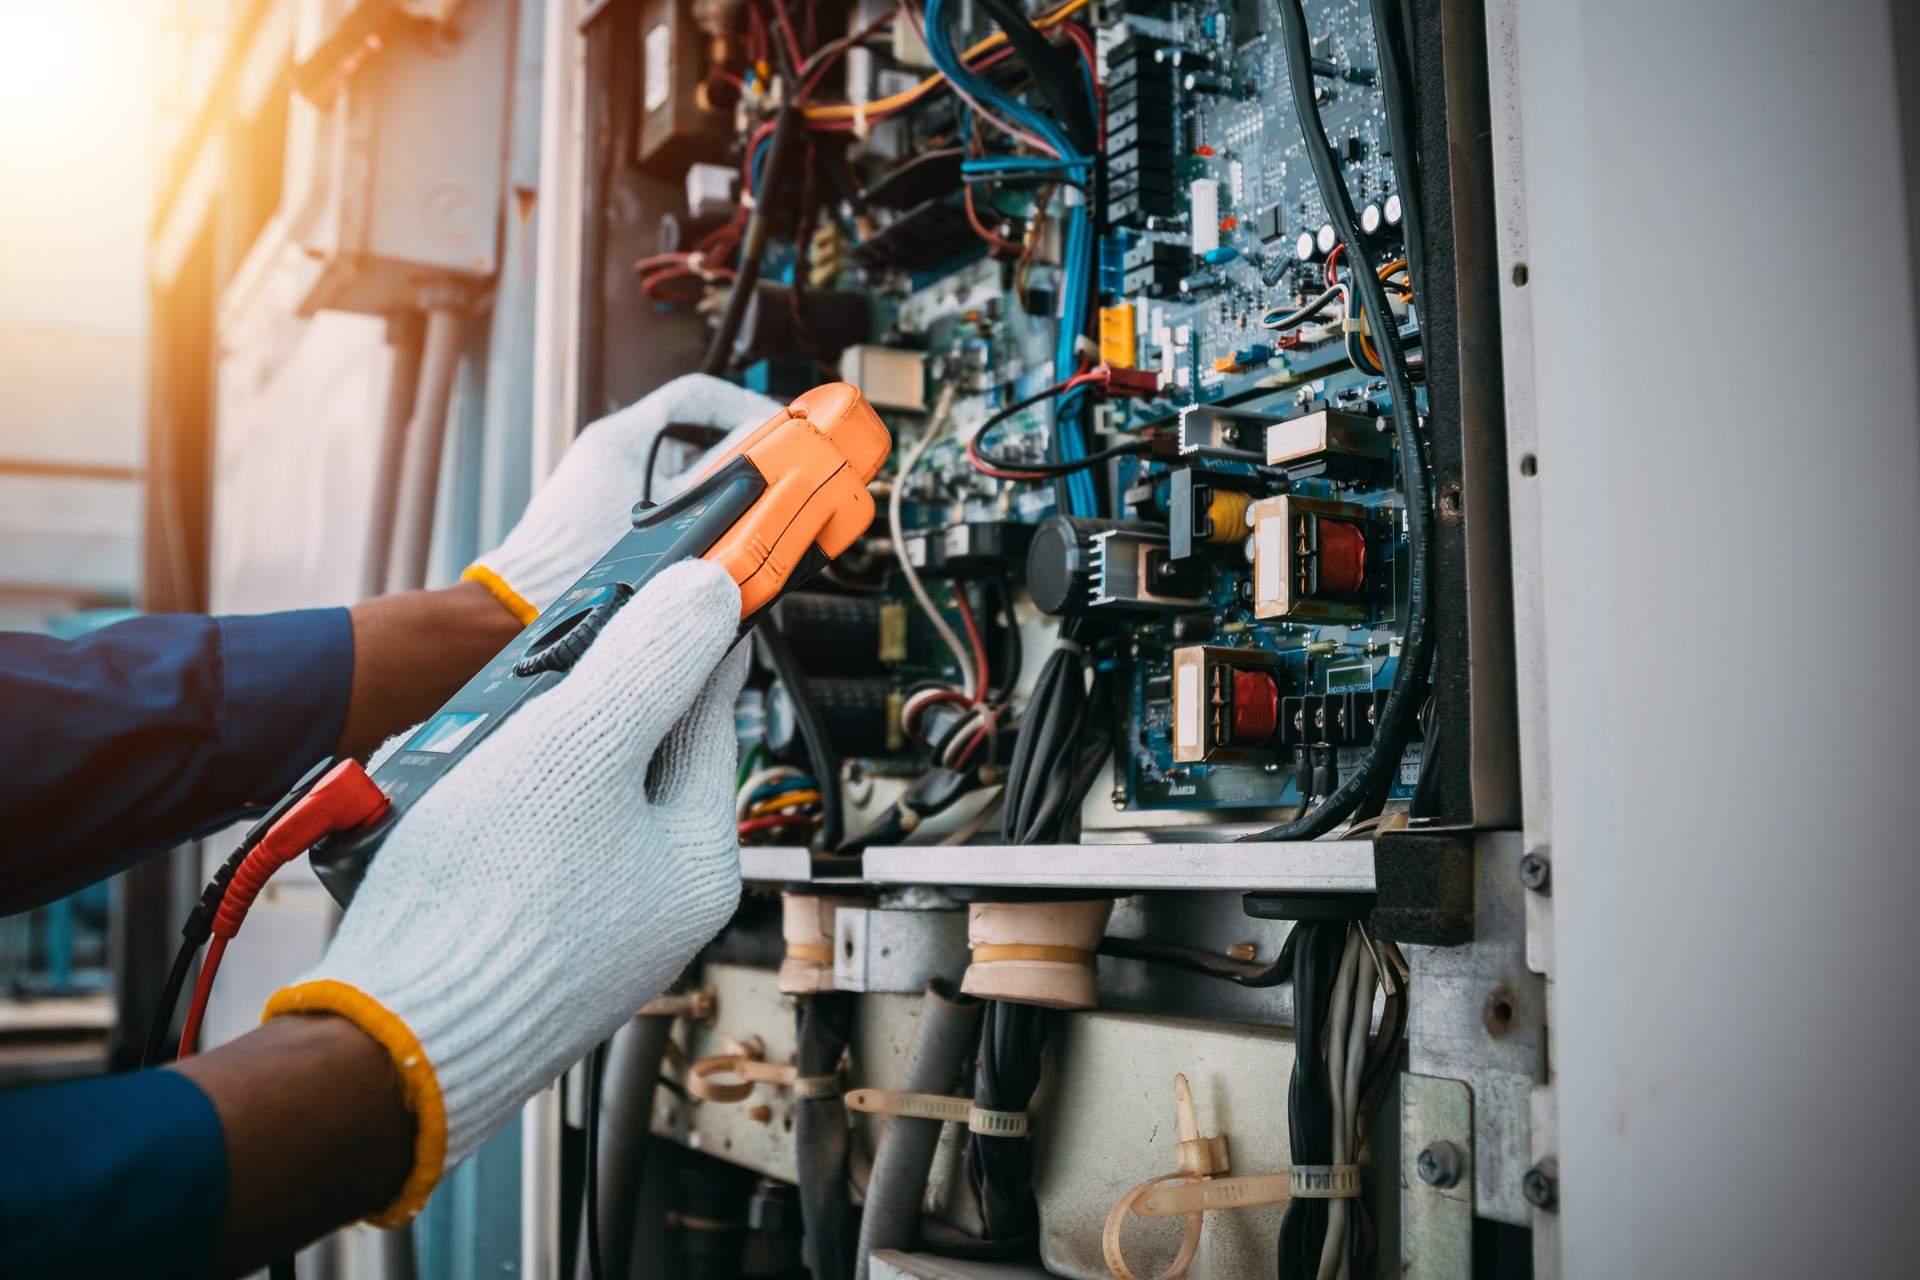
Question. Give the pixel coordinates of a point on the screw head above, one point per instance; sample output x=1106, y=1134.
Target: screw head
x=1439, y=1164
x=1541, y=1186
x=1536, y=873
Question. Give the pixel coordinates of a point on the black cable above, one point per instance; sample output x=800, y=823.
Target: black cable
x=1012, y=1038
x=1294, y=319
x=590, y=1182
x=759, y=229
x=1131, y=449
x=1243, y=973
x=1396, y=93
x=820, y=757
x=686, y=433
x=169, y=999
x=1410, y=675
x=822, y=1141
x=199, y=923
x=1309, y=1093
x=283, y=1269
x=1055, y=74
x=1013, y=652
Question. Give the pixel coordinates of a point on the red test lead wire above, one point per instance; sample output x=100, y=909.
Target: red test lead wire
x=346, y=798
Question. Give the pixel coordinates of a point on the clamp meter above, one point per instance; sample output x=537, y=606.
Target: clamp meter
x=772, y=512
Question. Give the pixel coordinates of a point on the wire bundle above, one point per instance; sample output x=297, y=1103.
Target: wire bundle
x=1364, y=789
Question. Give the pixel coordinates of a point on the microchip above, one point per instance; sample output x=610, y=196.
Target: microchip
x=1246, y=21
x=1268, y=226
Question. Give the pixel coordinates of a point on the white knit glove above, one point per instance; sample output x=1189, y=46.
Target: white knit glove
x=554, y=881
x=587, y=503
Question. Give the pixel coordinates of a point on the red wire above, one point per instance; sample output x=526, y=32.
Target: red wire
x=979, y=646
x=993, y=238
x=984, y=467
x=786, y=29
x=752, y=825
x=1083, y=40
x=197, y=1009
x=973, y=744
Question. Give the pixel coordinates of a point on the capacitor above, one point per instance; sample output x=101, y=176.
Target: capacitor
x=1225, y=253
x=1393, y=210
x=1304, y=247
x=1325, y=238
x=1206, y=82
x=1370, y=218
x=1060, y=561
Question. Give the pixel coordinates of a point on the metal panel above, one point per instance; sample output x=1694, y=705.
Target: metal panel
x=1316, y=866
x=897, y=951
x=1436, y=1219
x=1692, y=830
x=891, y=1264
x=1479, y=1015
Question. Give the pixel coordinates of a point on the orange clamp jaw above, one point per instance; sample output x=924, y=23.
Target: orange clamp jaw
x=817, y=456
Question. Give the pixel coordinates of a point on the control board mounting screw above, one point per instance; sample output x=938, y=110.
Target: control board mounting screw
x=1541, y=1186
x=1536, y=873
x=1439, y=1164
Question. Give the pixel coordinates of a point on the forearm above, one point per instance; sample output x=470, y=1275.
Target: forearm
x=411, y=652
x=316, y=1134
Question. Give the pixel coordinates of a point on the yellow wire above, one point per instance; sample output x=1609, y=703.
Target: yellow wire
x=906, y=97
x=788, y=801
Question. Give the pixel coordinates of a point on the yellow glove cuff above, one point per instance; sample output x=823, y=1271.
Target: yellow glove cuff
x=506, y=595
x=419, y=1087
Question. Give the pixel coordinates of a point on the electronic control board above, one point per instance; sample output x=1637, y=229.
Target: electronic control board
x=1166, y=298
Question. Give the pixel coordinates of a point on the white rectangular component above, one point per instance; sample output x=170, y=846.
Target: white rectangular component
x=712, y=190
x=1203, y=197
x=1186, y=707
x=889, y=378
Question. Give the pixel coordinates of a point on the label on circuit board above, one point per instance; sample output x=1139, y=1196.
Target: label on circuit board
x=1352, y=758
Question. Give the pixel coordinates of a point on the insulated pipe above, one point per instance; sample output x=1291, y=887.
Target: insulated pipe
x=403, y=381
x=822, y=1141
x=626, y=1114
x=948, y=1022
x=426, y=437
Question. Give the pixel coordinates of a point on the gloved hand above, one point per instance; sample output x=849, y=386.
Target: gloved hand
x=554, y=881
x=587, y=503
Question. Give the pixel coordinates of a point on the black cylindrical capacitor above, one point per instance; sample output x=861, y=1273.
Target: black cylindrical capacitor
x=853, y=713
x=830, y=635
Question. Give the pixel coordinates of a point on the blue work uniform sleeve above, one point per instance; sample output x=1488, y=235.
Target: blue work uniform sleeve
x=114, y=1177
x=125, y=742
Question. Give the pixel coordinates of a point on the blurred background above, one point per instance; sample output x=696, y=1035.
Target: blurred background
x=77, y=113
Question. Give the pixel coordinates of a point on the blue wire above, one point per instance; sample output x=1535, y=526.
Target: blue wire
x=1077, y=261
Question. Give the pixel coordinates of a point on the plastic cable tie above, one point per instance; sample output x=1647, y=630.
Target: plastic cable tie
x=1324, y=1181
x=934, y=1106
x=748, y=1073
x=1202, y=1157
x=1213, y=1195
x=992, y=952
x=808, y=951
x=816, y=1087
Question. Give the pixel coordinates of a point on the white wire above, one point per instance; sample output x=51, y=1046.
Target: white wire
x=779, y=773
x=1361, y=1023
x=942, y=411
x=1334, y=1247
x=977, y=822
